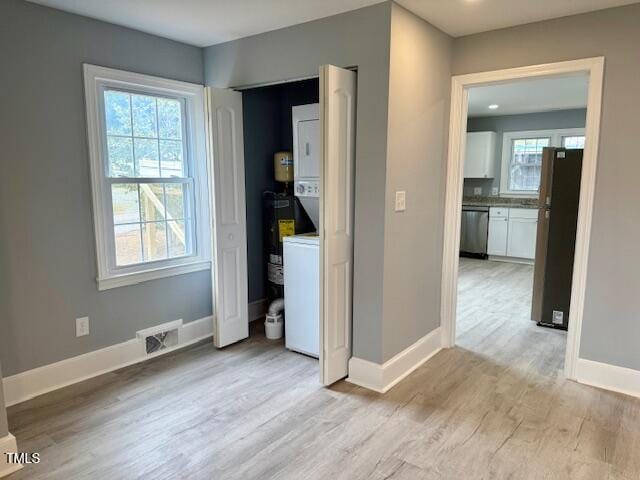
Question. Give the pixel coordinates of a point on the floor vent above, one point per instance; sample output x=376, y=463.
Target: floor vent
x=161, y=337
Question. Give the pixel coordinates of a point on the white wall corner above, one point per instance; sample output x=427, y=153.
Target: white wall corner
x=607, y=376
x=38, y=381
x=8, y=445
x=381, y=378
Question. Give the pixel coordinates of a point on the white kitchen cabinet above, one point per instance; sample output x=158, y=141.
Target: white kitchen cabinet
x=512, y=232
x=480, y=155
x=498, y=232
x=523, y=227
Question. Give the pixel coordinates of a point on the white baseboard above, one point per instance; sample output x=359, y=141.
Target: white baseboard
x=381, y=378
x=498, y=258
x=26, y=385
x=609, y=377
x=8, y=445
x=258, y=309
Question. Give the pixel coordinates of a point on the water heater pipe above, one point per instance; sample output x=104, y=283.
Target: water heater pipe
x=276, y=306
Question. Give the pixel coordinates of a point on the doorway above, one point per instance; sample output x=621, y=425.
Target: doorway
x=333, y=221
x=462, y=87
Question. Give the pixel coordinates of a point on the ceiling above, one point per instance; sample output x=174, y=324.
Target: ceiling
x=464, y=17
x=207, y=22
x=528, y=96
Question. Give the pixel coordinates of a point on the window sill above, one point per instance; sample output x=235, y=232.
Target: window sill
x=123, y=280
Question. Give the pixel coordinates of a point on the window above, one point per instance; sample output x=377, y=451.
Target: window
x=522, y=157
x=526, y=163
x=148, y=176
x=575, y=141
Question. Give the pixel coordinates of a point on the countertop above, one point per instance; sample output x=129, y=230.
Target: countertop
x=500, y=202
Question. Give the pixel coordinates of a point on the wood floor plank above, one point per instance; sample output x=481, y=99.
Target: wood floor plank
x=494, y=407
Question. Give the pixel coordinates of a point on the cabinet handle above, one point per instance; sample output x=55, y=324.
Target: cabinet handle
x=307, y=148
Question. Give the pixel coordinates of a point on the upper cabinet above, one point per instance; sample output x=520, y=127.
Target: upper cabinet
x=480, y=156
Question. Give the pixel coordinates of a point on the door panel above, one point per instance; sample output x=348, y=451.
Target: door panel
x=337, y=117
x=226, y=167
x=522, y=238
x=497, y=242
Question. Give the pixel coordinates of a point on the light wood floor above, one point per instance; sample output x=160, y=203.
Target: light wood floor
x=495, y=407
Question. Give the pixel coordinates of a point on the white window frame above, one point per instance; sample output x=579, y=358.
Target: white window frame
x=96, y=79
x=555, y=140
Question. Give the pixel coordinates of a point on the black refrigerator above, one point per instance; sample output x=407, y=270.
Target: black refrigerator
x=556, y=237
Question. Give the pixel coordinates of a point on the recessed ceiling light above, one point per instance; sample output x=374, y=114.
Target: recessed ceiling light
x=493, y=106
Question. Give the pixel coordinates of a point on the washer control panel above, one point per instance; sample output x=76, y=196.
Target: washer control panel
x=307, y=188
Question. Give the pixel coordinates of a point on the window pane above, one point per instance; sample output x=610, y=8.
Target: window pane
x=120, y=153
x=573, y=141
x=128, y=244
x=176, y=195
x=124, y=197
x=524, y=178
x=117, y=112
x=171, y=158
x=151, y=202
x=147, y=162
x=169, y=118
x=178, y=238
x=154, y=237
x=144, y=116
x=526, y=162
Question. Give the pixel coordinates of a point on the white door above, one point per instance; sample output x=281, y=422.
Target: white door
x=226, y=171
x=337, y=119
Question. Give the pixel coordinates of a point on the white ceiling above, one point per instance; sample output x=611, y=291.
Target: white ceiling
x=464, y=17
x=528, y=96
x=207, y=22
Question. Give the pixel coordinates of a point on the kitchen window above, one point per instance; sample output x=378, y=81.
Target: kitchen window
x=522, y=157
x=146, y=139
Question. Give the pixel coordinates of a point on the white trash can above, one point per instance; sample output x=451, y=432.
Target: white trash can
x=274, y=326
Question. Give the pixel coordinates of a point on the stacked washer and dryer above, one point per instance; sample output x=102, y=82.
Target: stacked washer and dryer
x=302, y=252
x=293, y=245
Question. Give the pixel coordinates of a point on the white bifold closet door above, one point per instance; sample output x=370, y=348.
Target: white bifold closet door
x=337, y=119
x=229, y=232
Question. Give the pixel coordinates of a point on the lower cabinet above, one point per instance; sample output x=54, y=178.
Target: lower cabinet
x=497, y=241
x=512, y=232
x=522, y=238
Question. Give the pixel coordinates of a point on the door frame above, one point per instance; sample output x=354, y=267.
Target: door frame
x=460, y=85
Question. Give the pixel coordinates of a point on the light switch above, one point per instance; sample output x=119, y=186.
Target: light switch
x=494, y=191
x=477, y=190
x=401, y=201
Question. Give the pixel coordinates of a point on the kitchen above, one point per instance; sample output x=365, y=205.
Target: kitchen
x=512, y=263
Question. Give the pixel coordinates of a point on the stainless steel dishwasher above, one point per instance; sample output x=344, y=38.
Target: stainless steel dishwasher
x=474, y=231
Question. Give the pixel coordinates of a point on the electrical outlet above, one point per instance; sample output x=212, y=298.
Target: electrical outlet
x=82, y=326
x=401, y=201
x=494, y=191
x=477, y=190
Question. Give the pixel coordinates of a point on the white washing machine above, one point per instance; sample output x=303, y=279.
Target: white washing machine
x=302, y=293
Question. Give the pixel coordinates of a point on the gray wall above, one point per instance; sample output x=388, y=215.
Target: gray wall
x=47, y=248
x=358, y=38
x=4, y=428
x=574, y=118
x=611, y=327
x=267, y=126
x=419, y=91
